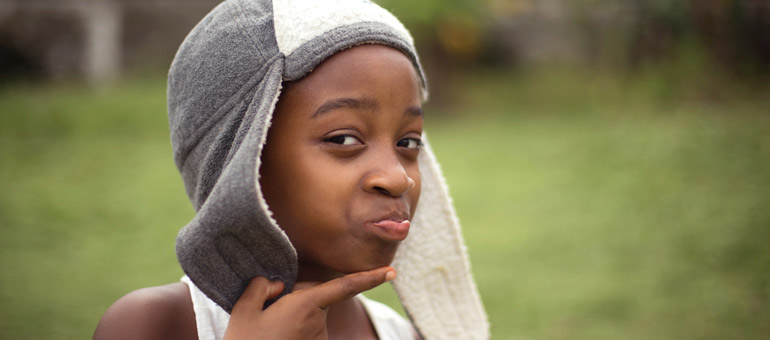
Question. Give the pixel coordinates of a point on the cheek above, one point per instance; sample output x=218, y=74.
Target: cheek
x=325, y=184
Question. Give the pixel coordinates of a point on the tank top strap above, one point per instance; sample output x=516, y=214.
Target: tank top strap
x=210, y=319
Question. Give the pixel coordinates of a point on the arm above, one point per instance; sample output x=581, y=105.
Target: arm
x=163, y=312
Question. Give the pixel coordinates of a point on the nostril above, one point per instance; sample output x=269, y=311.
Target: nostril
x=383, y=191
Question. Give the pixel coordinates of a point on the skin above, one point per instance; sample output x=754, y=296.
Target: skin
x=340, y=162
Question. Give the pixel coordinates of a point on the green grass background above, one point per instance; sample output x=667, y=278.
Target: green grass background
x=594, y=207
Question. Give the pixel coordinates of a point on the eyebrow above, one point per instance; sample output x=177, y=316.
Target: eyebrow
x=361, y=104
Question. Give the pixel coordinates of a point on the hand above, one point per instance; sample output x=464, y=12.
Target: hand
x=300, y=314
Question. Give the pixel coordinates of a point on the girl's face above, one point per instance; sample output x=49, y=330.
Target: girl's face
x=339, y=168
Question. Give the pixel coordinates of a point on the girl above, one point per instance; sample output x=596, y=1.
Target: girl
x=297, y=128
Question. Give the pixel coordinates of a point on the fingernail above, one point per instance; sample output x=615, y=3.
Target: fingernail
x=390, y=275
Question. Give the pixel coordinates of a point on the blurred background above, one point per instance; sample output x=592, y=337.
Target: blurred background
x=609, y=160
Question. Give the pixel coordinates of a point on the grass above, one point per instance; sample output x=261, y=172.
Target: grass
x=593, y=207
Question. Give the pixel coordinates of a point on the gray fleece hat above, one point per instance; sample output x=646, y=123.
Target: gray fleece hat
x=222, y=89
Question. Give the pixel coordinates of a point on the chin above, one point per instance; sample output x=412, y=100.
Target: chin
x=381, y=260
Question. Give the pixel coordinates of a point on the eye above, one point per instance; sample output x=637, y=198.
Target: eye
x=409, y=143
x=343, y=140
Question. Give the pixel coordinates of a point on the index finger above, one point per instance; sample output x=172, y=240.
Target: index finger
x=348, y=286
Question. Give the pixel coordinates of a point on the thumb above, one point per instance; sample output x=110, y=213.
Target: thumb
x=258, y=291
x=348, y=286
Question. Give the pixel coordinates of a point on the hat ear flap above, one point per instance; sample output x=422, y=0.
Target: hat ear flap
x=233, y=238
x=434, y=280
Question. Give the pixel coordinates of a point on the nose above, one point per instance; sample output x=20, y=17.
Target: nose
x=388, y=176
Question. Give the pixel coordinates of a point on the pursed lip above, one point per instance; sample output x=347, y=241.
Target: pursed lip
x=391, y=227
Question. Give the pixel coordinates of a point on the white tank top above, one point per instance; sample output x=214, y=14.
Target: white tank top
x=212, y=320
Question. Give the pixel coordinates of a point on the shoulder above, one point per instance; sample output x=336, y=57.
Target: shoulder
x=163, y=312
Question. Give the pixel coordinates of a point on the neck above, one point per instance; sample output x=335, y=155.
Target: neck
x=345, y=318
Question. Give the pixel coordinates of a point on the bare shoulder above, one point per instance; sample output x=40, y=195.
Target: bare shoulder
x=163, y=312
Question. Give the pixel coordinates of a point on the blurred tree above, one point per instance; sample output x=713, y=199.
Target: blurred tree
x=660, y=28
x=450, y=35
x=736, y=32
x=15, y=63
x=92, y=39
x=687, y=36
x=45, y=41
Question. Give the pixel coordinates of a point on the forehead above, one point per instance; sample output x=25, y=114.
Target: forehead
x=361, y=71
